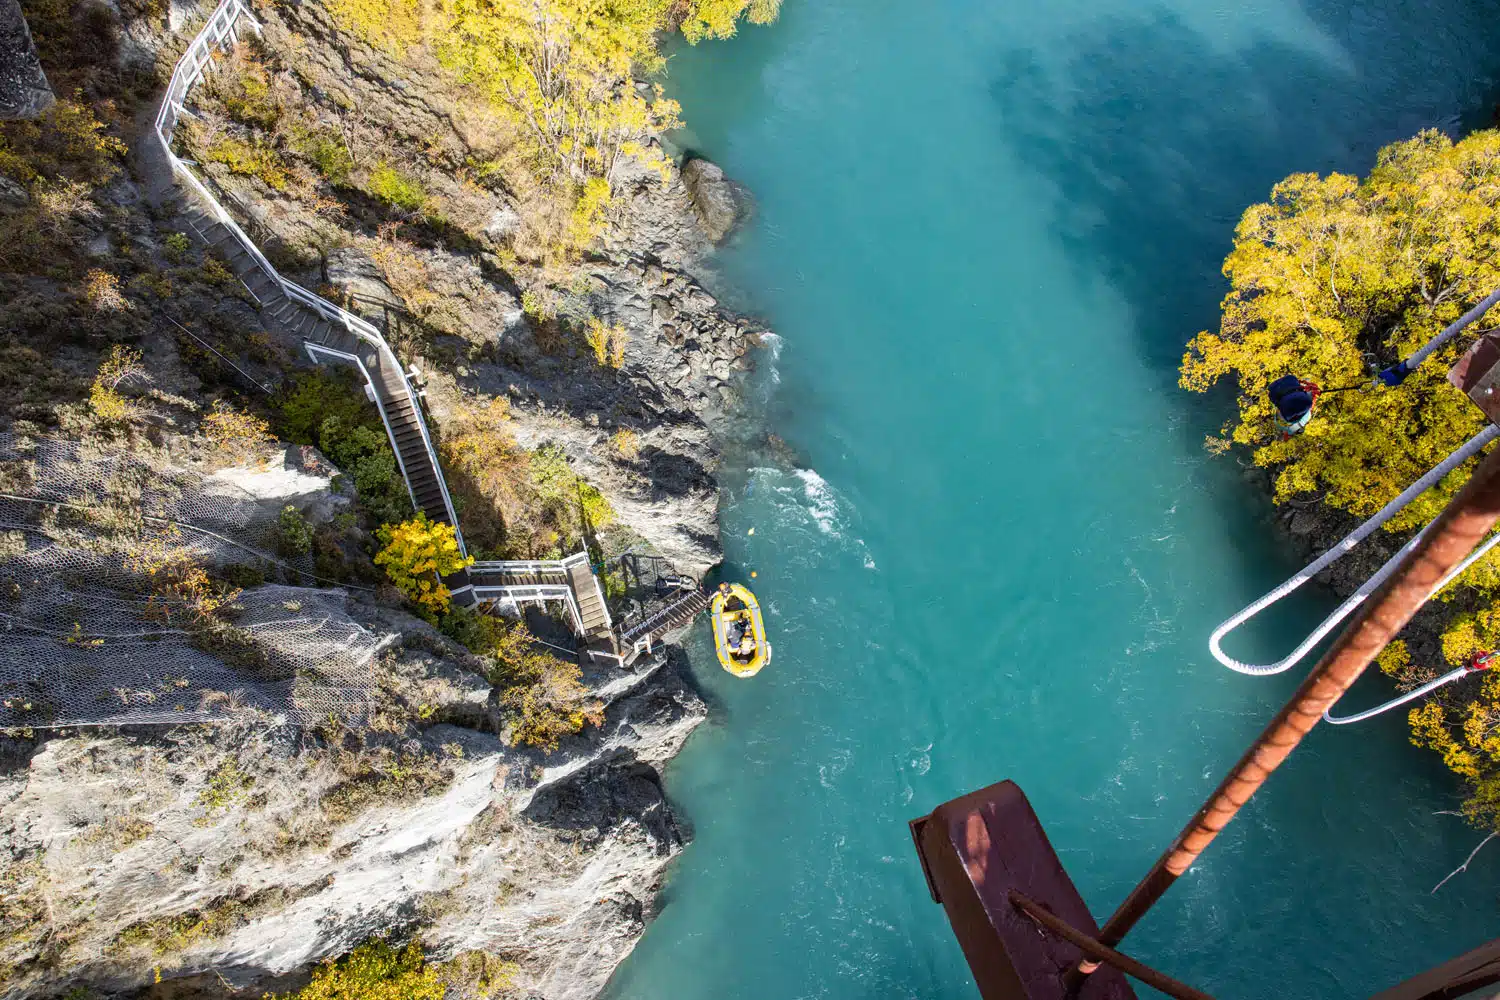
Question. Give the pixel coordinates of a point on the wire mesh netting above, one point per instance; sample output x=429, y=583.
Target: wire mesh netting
x=105, y=617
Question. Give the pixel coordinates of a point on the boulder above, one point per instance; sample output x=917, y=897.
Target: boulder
x=502, y=223
x=24, y=91
x=715, y=198
x=352, y=269
x=12, y=195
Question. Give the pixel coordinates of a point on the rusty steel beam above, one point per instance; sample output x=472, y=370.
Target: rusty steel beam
x=1452, y=536
x=1092, y=948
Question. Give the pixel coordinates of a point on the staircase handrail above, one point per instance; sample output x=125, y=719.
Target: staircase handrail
x=661, y=618
x=187, y=71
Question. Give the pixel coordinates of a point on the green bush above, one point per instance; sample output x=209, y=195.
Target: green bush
x=251, y=159
x=366, y=456
x=312, y=398
x=328, y=156
x=395, y=188
x=176, y=247
x=294, y=536
x=562, y=490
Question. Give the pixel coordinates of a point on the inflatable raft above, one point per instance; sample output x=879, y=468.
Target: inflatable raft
x=739, y=631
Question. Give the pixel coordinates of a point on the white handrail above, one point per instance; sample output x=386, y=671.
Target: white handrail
x=219, y=33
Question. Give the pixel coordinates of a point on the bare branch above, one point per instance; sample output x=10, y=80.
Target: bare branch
x=1465, y=866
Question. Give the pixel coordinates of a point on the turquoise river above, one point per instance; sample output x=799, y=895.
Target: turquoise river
x=984, y=231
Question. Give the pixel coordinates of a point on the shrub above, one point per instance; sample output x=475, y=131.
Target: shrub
x=236, y=436
x=489, y=472
x=108, y=405
x=247, y=95
x=561, y=489
x=364, y=453
x=373, y=971
x=589, y=213
x=626, y=443
x=176, y=247
x=250, y=159
x=294, y=536
x=404, y=270
x=215, y=272
x=396, y=188
x=312, y=397
x=544, y=694
x=416, y=554
x=328, y=155
x=67, y=141
x=607, y=342
x=390, y=25
x=120, y=366
x=102, y=291
x=180, y=587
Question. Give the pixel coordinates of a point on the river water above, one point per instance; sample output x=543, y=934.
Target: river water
x=984, y=232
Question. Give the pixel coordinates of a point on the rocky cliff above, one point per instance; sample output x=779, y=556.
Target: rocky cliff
x=225, y=859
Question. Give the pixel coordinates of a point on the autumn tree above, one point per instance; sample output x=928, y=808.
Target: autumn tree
x=1335, y=277
x=416, y=555
x=700, y=19
x=561, y=71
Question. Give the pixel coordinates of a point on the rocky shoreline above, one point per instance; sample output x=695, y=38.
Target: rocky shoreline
x=226, y=861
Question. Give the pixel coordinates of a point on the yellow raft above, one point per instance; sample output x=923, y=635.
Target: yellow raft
x=739, y=631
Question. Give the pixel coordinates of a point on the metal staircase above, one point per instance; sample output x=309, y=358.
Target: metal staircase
x=569, y=580
x=638, y=638
x=332, y=334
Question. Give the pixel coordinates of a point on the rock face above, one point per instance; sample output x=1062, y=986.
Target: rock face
x=244, y=855
x=24, y=91
x=715, y=198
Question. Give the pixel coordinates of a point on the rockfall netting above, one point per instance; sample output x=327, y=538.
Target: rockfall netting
x=106, y=617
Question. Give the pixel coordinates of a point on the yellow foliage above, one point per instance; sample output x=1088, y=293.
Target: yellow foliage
x=416, y=555
x=560, y=72
x=237, y=436
x=1334, y=277
x=545, y=694
x=67, y=141
x=1331, y=268
x=393, y=26
x=396, y=188
x=1429, y=729
x=250, y=159
x=607, y=342
x=122, y=364
x=720, y=18
x=1394, y=660
x=107, y=403
x=102, y=290
x=373, y=971
x=626, y=443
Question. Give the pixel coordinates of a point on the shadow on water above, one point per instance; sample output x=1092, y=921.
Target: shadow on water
x=1156, y=141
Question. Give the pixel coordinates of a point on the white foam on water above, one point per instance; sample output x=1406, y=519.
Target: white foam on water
x=803, y=501
x=823, y=505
